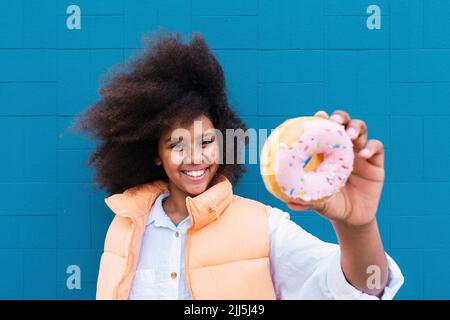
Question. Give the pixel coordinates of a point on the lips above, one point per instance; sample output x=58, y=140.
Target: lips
x=196, y=173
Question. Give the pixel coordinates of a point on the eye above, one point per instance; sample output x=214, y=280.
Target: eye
x=205, y=142
x=177, y=146
x=208, y=141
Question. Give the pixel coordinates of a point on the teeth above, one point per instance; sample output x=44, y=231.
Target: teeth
x=195, y=173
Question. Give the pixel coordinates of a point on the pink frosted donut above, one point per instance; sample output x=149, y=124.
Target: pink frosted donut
x=306, y=160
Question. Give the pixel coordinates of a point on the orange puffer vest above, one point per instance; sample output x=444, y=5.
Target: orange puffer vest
x=227, y=244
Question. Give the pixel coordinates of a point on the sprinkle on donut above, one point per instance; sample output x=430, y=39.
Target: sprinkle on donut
x=316, y=164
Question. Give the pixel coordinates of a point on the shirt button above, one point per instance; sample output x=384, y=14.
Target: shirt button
x=177, y=234
x=173, y=275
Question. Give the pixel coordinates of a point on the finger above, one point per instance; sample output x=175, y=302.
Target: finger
x=357, y=131
x=340, y=117
x=298, y=207
x=373, y=151
x=321, y=114
x=305, y=207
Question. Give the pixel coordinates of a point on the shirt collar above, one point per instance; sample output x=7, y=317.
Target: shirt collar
x=157, y=214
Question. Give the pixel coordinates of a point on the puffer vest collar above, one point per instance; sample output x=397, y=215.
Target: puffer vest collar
x=203, y=208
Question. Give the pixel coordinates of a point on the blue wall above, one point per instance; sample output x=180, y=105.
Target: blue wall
x=282, y=58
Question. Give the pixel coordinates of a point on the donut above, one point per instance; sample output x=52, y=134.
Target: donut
x=306, y=160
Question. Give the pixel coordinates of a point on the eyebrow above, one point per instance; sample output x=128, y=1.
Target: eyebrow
x=173, y=140
x=205, y=135
x=208, y=134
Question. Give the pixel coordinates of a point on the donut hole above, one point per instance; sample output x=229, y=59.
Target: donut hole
x=313, y=162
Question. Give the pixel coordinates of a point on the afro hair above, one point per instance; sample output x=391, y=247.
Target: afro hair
x=169, y=82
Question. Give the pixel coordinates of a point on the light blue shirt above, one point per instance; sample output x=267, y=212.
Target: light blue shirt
x=302, y=266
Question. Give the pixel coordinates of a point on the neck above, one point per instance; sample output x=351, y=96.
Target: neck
x=175, y=204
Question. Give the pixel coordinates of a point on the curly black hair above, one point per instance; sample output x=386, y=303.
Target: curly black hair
x=170, y=82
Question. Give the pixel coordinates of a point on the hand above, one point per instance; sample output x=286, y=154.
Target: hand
x=357, y=202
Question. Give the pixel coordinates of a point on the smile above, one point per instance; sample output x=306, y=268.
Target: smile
x=195, y=174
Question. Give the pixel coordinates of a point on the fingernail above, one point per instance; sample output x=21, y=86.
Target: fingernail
x=337, y=118
x=365, y=152
x=351, y=132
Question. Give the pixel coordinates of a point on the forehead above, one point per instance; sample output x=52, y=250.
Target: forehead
x=197, y=127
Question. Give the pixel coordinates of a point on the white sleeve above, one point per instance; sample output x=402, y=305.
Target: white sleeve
x=305, y=267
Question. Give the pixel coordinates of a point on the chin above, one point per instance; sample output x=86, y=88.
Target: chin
x=196, y=190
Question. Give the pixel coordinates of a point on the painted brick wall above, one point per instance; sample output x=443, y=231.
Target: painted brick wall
x=282, y=58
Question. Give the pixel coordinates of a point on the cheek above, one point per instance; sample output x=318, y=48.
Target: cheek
x=211, y=153
x=173, y=160
x=177, y=158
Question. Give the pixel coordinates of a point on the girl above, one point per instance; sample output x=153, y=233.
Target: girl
x=180, y=232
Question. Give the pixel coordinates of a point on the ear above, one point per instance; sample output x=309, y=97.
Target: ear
x=158, y=161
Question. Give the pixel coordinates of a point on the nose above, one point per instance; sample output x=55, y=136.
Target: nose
x=195, y=155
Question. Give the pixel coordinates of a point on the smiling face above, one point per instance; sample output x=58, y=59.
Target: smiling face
x=189, y=156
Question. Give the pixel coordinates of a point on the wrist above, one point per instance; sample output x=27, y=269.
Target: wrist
x=357, y=228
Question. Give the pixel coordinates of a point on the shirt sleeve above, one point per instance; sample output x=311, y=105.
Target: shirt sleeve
x=305, y=267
